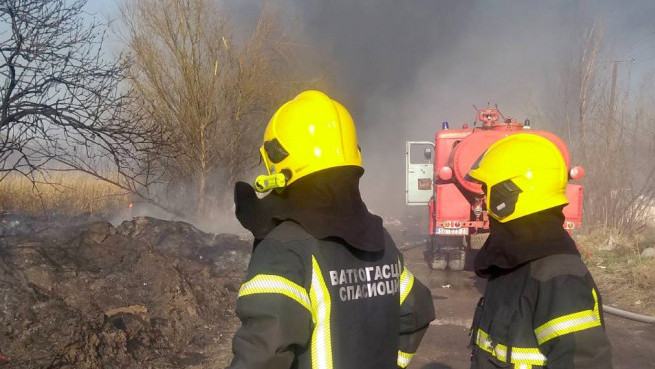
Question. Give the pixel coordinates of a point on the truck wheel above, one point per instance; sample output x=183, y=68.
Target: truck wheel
x=476, y=242
x=436, y=258
x=456, y=259
x=473, y=244
x=439, y=260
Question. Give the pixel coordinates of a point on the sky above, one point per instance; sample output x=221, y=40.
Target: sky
x=403, y=67
x=103, y=7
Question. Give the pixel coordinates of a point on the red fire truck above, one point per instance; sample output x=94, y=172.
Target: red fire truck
x=457, y=221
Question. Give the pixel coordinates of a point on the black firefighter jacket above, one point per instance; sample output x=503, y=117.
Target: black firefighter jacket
x=541, y=308
x=331, y=302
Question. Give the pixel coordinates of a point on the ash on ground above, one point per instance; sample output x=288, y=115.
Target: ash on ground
x=146, y=294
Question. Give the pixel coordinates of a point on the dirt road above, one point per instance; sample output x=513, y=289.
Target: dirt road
x=455, y=295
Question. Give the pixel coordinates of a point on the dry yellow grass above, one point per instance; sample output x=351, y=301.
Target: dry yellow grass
x=66, y=194
x=625, y=279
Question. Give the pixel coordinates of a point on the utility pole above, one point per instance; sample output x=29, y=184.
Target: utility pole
x=615, y=72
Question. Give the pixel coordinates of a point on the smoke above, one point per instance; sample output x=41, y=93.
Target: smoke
x=404, y=67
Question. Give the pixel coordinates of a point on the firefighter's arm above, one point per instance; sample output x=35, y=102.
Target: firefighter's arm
x=416, y=313
x=569, y=324
x=274, y=310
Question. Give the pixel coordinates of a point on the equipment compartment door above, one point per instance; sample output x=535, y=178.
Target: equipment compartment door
x=419, y=176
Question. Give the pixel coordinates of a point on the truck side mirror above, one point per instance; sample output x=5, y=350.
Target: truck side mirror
x=428, y=153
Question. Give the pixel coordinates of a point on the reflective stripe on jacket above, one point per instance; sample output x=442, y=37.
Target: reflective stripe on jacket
x=545, y=314
x=320, y=304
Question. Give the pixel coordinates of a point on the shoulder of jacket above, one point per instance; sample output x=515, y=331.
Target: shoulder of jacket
x=553, y=266
x=288, y=231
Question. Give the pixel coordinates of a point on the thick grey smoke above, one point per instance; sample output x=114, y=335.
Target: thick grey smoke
x=403, y=67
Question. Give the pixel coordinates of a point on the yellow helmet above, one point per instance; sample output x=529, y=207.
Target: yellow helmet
x=524, y=173
x=307, y=134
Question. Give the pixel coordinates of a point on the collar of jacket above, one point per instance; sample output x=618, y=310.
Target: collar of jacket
x=522, y=240
x=326, y=204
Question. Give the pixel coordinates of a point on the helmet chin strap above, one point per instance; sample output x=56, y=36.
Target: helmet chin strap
x=265, y=183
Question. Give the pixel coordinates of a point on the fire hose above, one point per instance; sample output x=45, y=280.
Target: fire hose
x=629, y=315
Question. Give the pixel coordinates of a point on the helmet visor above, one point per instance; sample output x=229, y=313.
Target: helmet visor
x=502, y=198
x=274, y=150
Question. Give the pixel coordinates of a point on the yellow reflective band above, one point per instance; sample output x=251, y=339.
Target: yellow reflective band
x=321, y=306
x=569, y=323
x=404, y=358
x=484, y=342
x=266, y=283
x=521, y=357
x=527, y=356
x=522, y=366
x=406, y=284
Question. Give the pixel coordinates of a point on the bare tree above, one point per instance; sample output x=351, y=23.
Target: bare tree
x=61, y=99
x=609, y=134
x=609, y=130
x=209, y=89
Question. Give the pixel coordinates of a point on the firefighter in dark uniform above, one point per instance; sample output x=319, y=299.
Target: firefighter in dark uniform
x=541, y=307
x=326, y=287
